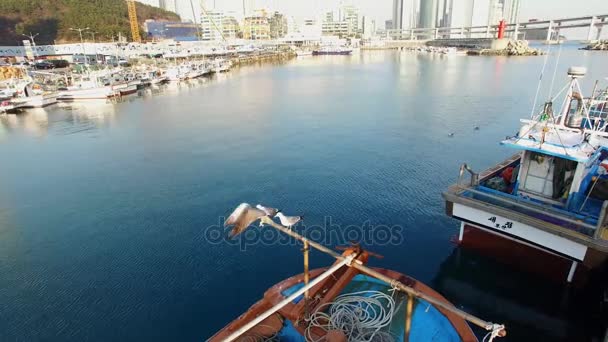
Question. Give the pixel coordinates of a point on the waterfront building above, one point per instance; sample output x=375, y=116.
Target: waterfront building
x=397, y=21
x=292, y=25
x=343, y=22
x=481, y=12
x=428, y=14
x=212, y=25
x=160, y=30
x=503, y=9
x=405, y=13
x=311, y=27
x=368, y=27
x=256, y=28
x=231, y=27
x=217, y=25
x=335, y=28
x=461, y=13
x=307, y=34
x=350, y=14
x=278, y=25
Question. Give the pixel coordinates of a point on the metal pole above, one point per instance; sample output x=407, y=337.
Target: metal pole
x=549, y=31
x=306, y=278
x=289, y=299
x=408, y=318
x=590, y=32
x=394, y=283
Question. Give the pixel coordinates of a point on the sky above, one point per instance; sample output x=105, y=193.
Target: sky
x=381, y=9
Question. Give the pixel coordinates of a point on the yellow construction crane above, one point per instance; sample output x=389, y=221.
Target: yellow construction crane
x=133, y=19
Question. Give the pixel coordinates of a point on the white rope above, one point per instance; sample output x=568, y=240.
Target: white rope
x=495, y=332
x=289, y=299
x=359, y=315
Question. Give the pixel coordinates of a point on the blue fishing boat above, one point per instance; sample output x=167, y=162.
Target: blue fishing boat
x=545, y=208
x=348, y=301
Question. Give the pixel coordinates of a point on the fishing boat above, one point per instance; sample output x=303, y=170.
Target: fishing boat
x=302, y=53
x=545, y=208
x=93, y=93
x=176, y=74
x=348, y=301
x=332, y=50
x=6, y=105
x=90, y=87
x=221, y=65
x=36, y=97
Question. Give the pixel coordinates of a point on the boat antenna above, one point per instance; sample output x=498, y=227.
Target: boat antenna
x=559, y=53
x=540, y=81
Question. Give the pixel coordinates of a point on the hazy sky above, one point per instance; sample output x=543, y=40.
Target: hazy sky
x=381, y=9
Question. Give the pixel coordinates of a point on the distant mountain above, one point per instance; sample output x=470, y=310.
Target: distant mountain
x=52, y=19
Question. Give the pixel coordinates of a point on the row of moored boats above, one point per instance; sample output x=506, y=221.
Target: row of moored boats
x=36, y=89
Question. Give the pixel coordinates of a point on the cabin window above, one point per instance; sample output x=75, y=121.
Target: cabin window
x=546, y=176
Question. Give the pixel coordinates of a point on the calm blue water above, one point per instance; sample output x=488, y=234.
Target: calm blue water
x=103, y=208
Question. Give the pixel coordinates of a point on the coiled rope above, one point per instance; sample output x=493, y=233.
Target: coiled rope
x=360, y=315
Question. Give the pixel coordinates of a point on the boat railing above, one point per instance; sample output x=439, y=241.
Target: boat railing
x=538, y=211
x=474, y=179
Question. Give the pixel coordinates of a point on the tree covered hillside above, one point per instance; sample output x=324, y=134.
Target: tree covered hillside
x=53, y=19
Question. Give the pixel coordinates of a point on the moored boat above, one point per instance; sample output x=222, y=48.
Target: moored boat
x=93, y=93
x=302, y=53
x=6, y=105
x=544, y=209
x=347, y=302
x=221, y=65
x=36, y=97
x=332, y=50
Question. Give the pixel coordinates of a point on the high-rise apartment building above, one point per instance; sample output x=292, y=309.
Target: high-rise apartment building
x=503, y=9
x=278, y=25
x=256, y=28
x=212, y=25
x=428, y=14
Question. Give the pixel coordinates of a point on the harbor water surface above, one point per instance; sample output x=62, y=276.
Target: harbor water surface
x=106, y=208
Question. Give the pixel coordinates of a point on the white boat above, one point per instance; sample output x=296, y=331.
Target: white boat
x=301, y=53
x=35, y=97
x=544, y=209
x=175, y=74
x=158, y=80
x=40, y=101
x=90, y=87
x=6, y=105
x=94, y=93
x=221, y=65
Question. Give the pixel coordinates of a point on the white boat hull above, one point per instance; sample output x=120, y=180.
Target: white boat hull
x=523, y=233
x=39, y=101
x=100, y=93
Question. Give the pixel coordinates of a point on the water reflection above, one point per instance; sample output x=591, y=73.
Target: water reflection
x=496, y=292
x=33, y=122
